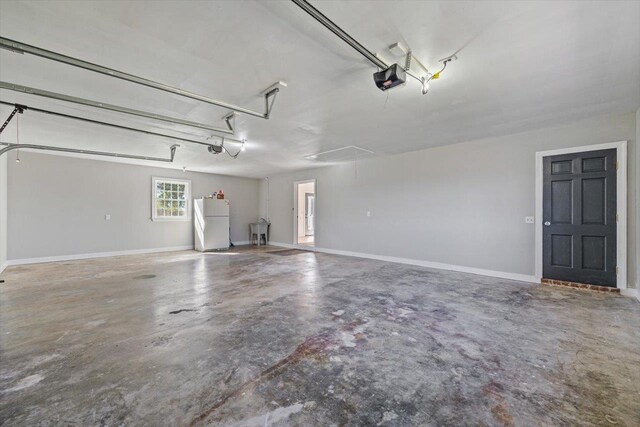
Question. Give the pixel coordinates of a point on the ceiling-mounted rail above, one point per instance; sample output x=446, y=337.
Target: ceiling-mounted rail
x=373, y=58
x=22, y=107
x=116, y=108
x=318, y=16
x=19, y=47
x=9, y=147
x=16, y=109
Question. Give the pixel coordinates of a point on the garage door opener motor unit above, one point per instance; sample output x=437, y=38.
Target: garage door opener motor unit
x=393, y=76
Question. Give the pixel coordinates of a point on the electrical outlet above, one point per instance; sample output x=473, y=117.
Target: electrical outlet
x=107, y=217
x=529, y=220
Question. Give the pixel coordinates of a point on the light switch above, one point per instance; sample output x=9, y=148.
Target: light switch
x=107, y=217
x=368, y=213
x=529, y=219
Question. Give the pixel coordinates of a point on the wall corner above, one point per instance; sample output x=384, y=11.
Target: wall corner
x=3, y=212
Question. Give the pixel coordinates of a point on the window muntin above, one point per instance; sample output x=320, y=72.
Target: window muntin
x=170, y=199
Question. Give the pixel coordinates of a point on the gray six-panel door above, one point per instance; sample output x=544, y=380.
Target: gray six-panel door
x=579, y=217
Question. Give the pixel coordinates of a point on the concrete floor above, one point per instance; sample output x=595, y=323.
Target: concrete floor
x=251, y=338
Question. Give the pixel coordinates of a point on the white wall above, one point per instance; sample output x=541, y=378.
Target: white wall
x=3, y=212
x=57, y=206
x=461, y=204
x=263, y=198
x=637, y=178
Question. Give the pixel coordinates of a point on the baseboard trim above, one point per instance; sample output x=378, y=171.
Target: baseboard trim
x=430, y=264
x=288, y=245
x=629, y=292
x=95, y=255
x=420, y=263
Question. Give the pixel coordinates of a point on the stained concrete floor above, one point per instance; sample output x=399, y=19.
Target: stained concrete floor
x=250, y=338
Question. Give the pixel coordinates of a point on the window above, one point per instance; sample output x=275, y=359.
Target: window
x=171, y=199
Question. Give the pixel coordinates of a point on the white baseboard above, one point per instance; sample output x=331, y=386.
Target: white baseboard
x=289, y=245
x=421, y=263
x=95, y=255
x=629, y=292
x=40, y=260
x=441, y=266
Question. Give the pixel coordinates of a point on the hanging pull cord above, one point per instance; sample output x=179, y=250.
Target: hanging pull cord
x=233, y=156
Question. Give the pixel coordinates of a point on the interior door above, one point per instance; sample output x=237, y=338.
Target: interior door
x=309, y=213
x=579, y=217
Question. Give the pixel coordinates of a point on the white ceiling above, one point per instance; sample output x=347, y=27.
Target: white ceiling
x=522, y=65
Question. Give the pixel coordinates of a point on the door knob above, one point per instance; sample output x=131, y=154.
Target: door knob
x=547, y=223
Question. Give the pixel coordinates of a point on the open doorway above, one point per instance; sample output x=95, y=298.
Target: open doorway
x=305, y=212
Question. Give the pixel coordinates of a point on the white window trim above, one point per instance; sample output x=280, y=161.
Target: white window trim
x=154, y=216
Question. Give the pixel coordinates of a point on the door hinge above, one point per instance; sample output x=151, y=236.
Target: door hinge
x=616, y=271
x=616, y=165
x=616, y=217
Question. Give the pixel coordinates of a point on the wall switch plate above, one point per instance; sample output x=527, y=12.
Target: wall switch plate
x=107, y=217
x=529, y=219
x=368, y=213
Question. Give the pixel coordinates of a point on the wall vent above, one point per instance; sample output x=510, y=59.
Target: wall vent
x=343, y=154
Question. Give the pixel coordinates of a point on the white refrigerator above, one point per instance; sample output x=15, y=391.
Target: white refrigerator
x=211, y=224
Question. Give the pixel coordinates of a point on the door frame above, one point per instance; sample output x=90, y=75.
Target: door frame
x=621, y=205
x=295, y=209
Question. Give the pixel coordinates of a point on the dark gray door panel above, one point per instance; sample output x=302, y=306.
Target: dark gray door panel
x=579, y=217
